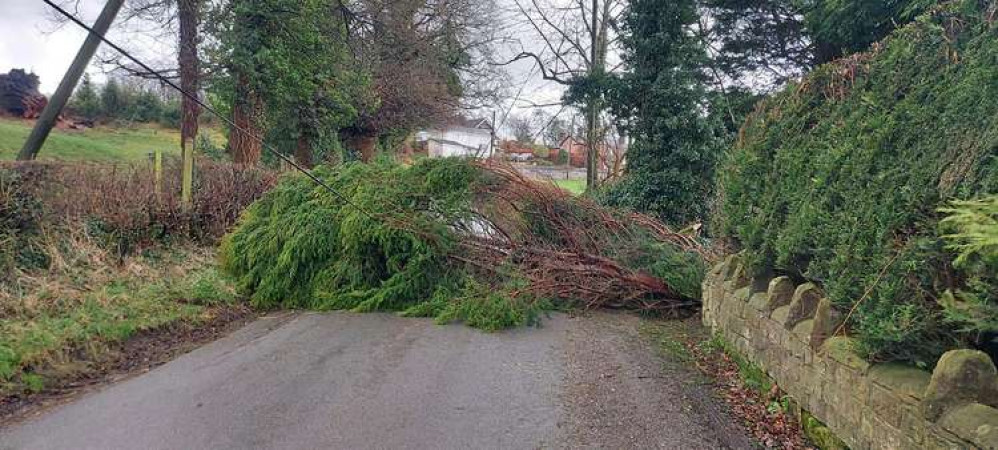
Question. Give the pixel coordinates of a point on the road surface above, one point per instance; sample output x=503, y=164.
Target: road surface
x=315, y=381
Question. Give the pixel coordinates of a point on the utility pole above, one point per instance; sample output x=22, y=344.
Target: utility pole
x=58, y=101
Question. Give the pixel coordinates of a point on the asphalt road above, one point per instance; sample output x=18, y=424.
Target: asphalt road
x=315, y=381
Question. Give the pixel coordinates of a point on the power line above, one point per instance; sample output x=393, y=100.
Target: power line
x=211, y=110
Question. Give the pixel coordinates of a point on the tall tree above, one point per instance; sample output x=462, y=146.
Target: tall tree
x=425, y=59
x=86, y=101
x=577, y=39
x=288, y=77
x=188, y=15
x=180, y=20
x=670, y=165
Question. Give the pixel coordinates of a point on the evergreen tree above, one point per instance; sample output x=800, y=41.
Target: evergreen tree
x=671, y=162
x=147, y=107
x=86, y=102
x=112, y=100
x=289, y=78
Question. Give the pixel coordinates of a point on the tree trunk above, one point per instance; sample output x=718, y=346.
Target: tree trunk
x=592, y=106
x=303, y=151
x=188, y=17
x=363, y=142
x=592, y=146
x=244, y=143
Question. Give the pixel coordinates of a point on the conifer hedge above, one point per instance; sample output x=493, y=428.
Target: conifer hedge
x=839, y=178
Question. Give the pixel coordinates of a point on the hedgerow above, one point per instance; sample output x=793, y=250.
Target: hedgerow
x=838, y=178
x=450, y=239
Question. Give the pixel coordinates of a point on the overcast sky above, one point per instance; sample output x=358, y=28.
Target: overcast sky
x=30, y=40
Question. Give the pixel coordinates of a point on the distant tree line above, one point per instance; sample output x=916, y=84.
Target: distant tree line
x=116, y=101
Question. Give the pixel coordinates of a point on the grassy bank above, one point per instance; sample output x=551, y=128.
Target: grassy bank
x=56, y=324
x=91, y=257
x=102, y=143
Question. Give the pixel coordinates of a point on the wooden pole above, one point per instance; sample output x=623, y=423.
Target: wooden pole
x=157, y=167
x=58, y=101
x=187, y=179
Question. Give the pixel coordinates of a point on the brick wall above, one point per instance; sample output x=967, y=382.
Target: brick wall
x=786, y=329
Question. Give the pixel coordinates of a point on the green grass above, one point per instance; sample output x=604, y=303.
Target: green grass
x=34, y=346
x=576, y=187
x=102, y=143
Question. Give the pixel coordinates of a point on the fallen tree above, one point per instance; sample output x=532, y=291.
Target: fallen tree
x=455, y=240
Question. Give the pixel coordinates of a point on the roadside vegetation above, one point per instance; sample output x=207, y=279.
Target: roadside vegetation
x=840, y=179
x=91, y=255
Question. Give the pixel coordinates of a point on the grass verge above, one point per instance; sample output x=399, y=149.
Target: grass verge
x=57, y=324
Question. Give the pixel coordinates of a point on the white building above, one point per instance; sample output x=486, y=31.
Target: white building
x=466, y=137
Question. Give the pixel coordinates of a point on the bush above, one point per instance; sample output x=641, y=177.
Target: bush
x=973, y=235
x=119, y=205
x=838, y=178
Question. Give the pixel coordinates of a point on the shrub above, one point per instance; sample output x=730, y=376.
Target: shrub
x=20, y=217
x=837, y=179
x=119, y=205
x=972, y=228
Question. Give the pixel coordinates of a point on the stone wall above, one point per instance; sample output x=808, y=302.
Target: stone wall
x=787, y=330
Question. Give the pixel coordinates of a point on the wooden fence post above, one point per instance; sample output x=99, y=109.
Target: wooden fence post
x=157, y=167
x=187, y=179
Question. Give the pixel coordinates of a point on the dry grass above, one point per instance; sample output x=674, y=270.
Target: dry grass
x=93, y=254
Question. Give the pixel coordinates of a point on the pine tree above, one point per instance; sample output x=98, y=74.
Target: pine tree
x=112, y=100
x=86, y=103
x=671, y=162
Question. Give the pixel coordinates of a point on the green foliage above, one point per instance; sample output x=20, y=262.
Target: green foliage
x=840, y=27
x=767, y=42
x=973, y=235
x=838, y=178
x=478, y=306
x=393, y=247
x=116, y=101
x=20, y=224
x=293, y=55
x=301, y=247
x=86, y=101
x=670, y=165
x=112, y=103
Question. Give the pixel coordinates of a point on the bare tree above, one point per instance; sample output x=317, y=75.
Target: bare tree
x=578, y=37
x=428, y=60
x=524, y=128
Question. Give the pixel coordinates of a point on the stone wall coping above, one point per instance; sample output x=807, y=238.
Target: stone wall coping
x=788, y=330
